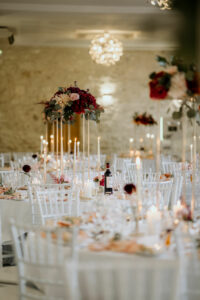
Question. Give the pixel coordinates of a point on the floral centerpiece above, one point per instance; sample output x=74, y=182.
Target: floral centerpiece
x=176, y=81
x=144, y=119
x=67, y=102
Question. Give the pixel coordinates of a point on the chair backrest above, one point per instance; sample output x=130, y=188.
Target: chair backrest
x=130, y=171
x=188, y=252
x=1, y=160
x=4, y=174
x=176, y=189
x=156, y=192
x=35, y=209
x=120, y=163
x=40, y=254
x=139, y=279
x=7, y=157
x=131, y=174
x=166, y=158
x=173, y=167
x=54, y=204
x=16, y=179
x=148, y=165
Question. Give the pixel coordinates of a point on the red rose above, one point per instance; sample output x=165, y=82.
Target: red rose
x=26, y=168
x=130, y=188
x=102, y=181
x=75, y=90
x=194, y=85
x=157, y=90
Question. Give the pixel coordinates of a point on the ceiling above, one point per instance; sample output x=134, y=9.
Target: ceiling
x=69, y=23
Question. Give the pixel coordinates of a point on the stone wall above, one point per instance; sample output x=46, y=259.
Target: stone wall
x=29, y=75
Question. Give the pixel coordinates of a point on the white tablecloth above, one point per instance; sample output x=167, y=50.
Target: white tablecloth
x=19, y=210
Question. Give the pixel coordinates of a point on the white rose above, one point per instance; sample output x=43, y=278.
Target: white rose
x=62, y=99
x=178, y=88
x=171, y=70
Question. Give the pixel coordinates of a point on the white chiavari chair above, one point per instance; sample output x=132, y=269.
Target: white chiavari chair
x=156, y=193
x=16, y=179
x=140, y=279
x=173, y=167
x=120, y=164
x=166, y=158
x=64, y=188
x=4, y=174
x=147, y=177
x=148, y=165
x=151, y=176
x=190, y=184
x=7, y=158
x=1, y=160
x=40, y=253
x=130, y=171
x=176, y=189
x=54, y=204
x=188, y=253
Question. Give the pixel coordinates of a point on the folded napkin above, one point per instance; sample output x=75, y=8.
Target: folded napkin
x=14, y=196
x=6, y=169
x=23, y=188
x=124, y=246
x=69, y=222
x=117, y=246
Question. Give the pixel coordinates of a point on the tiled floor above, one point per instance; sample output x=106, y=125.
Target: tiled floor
x=8, y=291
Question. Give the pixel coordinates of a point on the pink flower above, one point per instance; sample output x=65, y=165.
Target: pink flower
x=74, y=96
x=178, y=88
x=171, y=70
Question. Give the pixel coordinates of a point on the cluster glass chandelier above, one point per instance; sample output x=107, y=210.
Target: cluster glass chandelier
x=162, y=4
x=105, y=49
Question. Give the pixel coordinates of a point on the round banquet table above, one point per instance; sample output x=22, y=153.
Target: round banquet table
x=19, y=210
x=185, y=291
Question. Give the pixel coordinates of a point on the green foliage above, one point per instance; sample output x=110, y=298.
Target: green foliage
x=177, y=115
x=191, y=113
x=10, y=191
x=165, y=80
x=152, y=75
x=162, y=61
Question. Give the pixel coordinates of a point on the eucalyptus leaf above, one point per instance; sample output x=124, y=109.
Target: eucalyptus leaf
x=162, y=61
x=177, y=115
x=189, y=75
x=152, y=75
x=57, y=107
x=191, y=113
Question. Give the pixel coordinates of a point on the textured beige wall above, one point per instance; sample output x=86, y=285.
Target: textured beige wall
x=29, y=75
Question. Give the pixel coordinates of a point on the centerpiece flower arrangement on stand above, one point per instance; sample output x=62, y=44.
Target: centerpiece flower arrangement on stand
x=178, y=81
x=145, y=120
x=62, y=108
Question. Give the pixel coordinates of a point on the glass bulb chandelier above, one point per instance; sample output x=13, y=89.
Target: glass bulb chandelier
x=162, y=4
x=105, y=49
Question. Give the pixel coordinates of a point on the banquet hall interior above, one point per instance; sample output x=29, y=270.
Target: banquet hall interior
x=99, y=149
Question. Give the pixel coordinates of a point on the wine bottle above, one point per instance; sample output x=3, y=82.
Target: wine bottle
x=108, y=180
